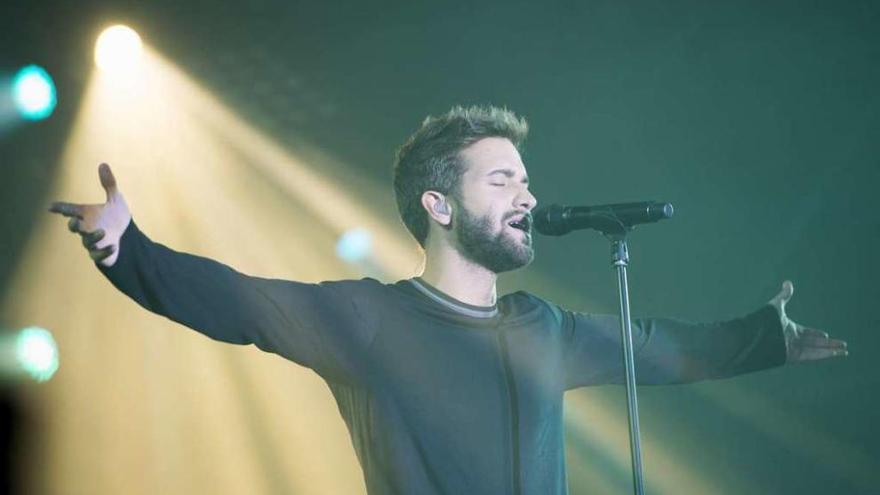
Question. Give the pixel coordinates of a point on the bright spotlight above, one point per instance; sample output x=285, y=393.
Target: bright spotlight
x=118, y=49
x=37, y=353
x=34, y=93
x=30, y=351
x=354, y=245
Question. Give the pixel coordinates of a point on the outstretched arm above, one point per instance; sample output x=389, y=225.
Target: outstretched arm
x=669, y=350
x=675, y=351
x=316, y=325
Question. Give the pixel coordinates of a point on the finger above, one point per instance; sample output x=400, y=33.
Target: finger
x=787, y=291
x=783, y=296
x=816, y=354
x=90, y=239
x=100, y=254
x=812, y=332
x=821, y=343
x=108, y=182
x=67, y=209
x=73, y=225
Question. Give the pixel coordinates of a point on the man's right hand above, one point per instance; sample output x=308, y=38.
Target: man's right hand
x=100, y=226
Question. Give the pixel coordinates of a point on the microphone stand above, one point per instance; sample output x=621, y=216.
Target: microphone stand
x=615, y=231
x=620, y=260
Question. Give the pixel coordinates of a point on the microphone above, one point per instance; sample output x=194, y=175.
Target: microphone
x=560, y=220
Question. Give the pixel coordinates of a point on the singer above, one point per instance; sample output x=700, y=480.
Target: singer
x=445, y=387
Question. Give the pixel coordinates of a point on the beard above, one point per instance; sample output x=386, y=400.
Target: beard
x=497, y=252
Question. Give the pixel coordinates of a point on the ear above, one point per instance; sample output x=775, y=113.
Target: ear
x=437, y=206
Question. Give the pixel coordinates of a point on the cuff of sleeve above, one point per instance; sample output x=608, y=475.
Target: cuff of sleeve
x=770, y=350
x=131, y=237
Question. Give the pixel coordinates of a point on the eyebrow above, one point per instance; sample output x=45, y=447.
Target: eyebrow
x=509, y=173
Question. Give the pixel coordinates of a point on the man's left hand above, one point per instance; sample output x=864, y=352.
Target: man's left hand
x=804, y=343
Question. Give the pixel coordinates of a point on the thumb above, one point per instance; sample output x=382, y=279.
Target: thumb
x=784, y=295
x=787, y=290
x=108, y=182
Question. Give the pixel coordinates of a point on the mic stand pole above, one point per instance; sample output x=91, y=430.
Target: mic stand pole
x=620, y=260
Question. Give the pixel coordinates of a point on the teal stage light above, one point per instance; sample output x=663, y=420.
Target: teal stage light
x=36, y=353
x=34, y=93
x=354, y=245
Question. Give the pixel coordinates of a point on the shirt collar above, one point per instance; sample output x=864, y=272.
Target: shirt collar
x=451, y=303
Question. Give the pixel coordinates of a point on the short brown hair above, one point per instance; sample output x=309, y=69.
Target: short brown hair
x=429, y=160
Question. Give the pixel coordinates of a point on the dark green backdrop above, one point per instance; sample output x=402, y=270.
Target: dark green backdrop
x=758, y=120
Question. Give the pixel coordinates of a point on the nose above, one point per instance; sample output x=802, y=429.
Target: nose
x=526, y=200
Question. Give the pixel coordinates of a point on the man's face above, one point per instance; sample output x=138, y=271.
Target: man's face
x=494, y=193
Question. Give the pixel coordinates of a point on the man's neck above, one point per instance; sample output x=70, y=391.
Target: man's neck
x=460, y=278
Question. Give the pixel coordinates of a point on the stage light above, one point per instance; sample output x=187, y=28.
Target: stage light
x=33, y=93
x=29, y=351
x=37, y=353
x=354, y=245
x=118, y=49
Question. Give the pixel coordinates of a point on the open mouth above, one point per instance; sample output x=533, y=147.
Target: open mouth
x=524, y=224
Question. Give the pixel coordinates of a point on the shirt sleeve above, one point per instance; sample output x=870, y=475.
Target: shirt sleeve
x=321, y=326
x=669, y=351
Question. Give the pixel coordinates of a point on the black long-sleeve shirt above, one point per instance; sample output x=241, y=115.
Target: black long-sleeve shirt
x=439, y=396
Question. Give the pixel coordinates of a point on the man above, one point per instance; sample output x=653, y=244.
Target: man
x=445, y=388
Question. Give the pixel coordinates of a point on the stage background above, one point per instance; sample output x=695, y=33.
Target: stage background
x=759, y=121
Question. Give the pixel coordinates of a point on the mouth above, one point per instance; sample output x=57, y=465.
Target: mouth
x=523, y=223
